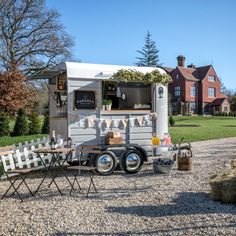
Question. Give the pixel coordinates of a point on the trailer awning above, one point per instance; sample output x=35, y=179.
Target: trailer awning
x=45, y=74
x=87, y=71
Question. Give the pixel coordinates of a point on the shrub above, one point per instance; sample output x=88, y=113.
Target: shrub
x=4, y=124
x=35, y=124
x=45, y=127
x=172, y=121
x=109, y=102
x=21, y=126
x=104, y=101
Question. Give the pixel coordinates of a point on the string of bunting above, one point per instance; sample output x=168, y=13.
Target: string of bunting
x=90, y=122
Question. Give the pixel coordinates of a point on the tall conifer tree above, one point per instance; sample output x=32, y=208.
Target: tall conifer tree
x=149, y=53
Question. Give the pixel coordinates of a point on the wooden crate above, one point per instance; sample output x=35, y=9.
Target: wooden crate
x=113, y=135
x=118, y=140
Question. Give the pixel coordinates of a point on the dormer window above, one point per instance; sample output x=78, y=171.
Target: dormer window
x=211, y=78
x=177, y=76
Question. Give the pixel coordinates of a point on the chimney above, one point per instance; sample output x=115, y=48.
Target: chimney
x=181, y=60
x=191, y=66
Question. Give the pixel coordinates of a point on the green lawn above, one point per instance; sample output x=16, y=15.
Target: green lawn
x=207, y=127
x=7, y=140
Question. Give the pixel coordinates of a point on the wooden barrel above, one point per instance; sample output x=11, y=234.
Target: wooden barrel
x=184, y=164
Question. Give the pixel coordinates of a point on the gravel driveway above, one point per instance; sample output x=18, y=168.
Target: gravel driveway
x=140, y=204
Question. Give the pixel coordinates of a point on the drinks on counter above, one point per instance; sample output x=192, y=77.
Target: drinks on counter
x=166, y=140
x=155, y=140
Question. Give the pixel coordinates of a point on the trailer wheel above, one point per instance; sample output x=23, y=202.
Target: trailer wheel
x=132, y=161
x=105, y=162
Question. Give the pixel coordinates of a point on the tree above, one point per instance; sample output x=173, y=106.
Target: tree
x=45, y=127
x=35, y=124
x=14, y=92
x=32, y=36
x=21, y=126
x=149, y=53
x=4, y=124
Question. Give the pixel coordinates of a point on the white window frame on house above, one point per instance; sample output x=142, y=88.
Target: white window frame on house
x=193, y=107
x=211, y=78
x=177, y=91
x=193, y=91
x=211, y=92
x=177, y=76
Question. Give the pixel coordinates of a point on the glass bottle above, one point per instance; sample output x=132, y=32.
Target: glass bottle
x=167, y=139
x=70, y=143
x=53, y=140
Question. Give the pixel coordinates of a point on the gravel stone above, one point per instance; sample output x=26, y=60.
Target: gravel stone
x=138, y=204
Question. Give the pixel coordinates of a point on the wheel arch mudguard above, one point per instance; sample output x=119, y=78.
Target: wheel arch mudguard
x=142, y=150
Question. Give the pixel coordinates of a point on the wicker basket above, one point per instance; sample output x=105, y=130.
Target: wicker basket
x=184, y=164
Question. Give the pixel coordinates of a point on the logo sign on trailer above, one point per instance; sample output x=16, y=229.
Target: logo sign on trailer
x=85, y=99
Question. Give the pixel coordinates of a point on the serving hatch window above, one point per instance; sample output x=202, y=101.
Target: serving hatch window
x=127, y=96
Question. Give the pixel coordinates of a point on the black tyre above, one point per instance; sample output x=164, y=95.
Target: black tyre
x=76, y=163
x=105, y=162
x=132, y=161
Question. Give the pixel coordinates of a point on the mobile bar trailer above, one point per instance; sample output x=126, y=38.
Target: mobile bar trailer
x=76, y=111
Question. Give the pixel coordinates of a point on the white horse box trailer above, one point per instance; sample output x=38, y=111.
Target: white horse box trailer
x=76, y=94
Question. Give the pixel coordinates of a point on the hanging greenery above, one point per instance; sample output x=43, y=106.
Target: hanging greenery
x=135, y=76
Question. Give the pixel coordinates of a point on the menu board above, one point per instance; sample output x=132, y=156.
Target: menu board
x=85, y=99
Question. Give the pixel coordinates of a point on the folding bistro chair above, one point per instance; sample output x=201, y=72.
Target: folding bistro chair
x=15, y=176
x=78, y=169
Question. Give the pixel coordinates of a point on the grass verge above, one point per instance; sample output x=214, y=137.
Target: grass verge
x=8, y=140
x=197, y=128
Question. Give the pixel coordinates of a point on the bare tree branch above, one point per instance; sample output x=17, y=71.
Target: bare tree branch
x=31, y=36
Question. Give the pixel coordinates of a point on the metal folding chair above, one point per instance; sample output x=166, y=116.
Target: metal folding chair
x=77, y=170
x=10, y=171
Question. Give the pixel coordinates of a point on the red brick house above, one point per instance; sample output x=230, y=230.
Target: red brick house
x=195, y=90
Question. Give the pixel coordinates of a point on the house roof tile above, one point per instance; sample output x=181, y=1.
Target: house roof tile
x=189, y=73
x=192, y=74
x=168, y=69
x=202, y=71
x=218, y=101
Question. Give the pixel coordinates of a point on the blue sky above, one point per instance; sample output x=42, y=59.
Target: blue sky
x=111, y=31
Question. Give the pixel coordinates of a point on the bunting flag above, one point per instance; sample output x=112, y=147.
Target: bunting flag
x=124, y=123
x=90, y=122
x=140, y=120
x=83, y=121
x=115, y=123
x=108, y=123
x=99, y=123
x=132, y=122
